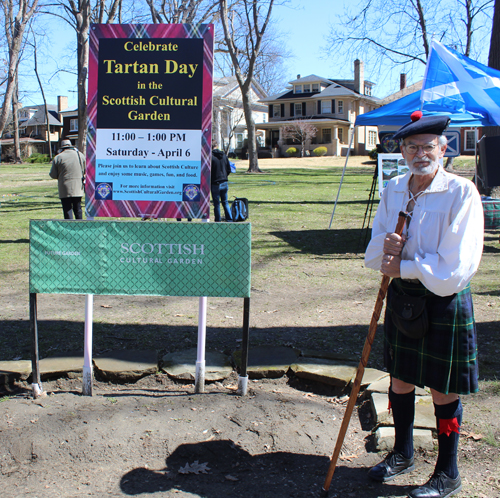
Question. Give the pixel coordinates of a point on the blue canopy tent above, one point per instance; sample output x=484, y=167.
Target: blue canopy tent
x=398, y=112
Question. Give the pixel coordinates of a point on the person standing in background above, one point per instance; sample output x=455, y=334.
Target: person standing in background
x=219, y=187
x=68, y=168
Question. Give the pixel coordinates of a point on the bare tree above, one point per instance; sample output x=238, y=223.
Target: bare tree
x=80, y=14
x=183, y=11
x=244, y=29
x=396, y=34
x=300, y=131
x=494, y=55
x=15, y=27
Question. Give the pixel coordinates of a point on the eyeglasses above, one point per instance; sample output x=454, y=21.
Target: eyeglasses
x=413, y=149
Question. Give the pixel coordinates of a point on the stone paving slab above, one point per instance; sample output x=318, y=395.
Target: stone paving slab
x=181, y=365
x=326, y=371
x=270, y=362
x=382, y=386
x=68, y=365
x=11, y=371
x=373, y=375
x=424, y=411
x=329, y=355
x=126, y=365
x=384, y=439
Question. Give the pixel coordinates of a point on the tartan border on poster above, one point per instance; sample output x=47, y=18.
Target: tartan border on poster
x=151, y=208
x=140, y=258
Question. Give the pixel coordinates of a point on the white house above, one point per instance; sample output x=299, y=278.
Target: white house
x=331, y=105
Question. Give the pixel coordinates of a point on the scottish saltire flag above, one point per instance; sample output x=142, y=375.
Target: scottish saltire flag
x=456, y=82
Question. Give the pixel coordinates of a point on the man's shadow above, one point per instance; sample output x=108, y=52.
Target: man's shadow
x=233, y=472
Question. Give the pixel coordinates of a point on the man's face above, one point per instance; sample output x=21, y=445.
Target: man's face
x=422, y=153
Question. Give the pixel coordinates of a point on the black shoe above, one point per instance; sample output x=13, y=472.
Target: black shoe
x=438, y=486
x=393, y=465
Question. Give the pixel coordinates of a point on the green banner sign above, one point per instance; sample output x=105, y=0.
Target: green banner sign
x=140, y=258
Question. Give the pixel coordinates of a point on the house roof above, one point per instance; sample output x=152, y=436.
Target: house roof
x=227, y=84
x=402, y=93
x=312, y=78
x=39, y=117
x=70, y=112
x=333, y=90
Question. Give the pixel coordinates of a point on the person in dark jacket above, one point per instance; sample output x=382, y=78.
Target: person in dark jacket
x=219, y=173
x=68, y=168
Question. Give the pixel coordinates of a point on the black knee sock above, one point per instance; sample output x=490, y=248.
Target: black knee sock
x=403, y=412
x=449, y=420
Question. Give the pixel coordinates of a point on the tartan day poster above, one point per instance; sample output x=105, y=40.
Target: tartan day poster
x=149, y=121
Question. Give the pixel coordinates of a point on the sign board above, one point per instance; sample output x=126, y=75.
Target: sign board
x=149, y=129
x=389, y=166
x=140, y=258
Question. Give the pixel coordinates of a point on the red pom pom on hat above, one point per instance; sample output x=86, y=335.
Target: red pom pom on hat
x=416, y=115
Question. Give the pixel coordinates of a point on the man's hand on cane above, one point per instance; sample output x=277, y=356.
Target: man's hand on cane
x=391, y=260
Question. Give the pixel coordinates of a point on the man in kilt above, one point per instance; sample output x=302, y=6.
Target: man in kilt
x=431, y=265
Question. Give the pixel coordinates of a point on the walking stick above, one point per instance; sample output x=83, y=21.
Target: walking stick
x=361, y=368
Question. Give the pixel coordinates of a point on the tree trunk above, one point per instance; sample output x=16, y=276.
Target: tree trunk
x=15, y=28
x=15, y=118
x=494, y=62
x=253, y=158
x=82, y=33
x=44, y=103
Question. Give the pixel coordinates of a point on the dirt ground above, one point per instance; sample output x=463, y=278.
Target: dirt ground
x=157, y=438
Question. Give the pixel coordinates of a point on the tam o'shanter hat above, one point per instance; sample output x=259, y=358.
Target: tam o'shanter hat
x=66, y=143
x=419, y=125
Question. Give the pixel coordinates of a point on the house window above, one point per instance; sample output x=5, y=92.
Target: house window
x=368, y=90
x=326, y=106
x=239, y=140
x=327, y=135
x=340, y=106
x=341, y=135
x=470, y=139
x=315, y=87
x=298, y=88
x=298, y=109
x=307, y=88
x=264, y=117
x=372, y=138
x=73, y=125
x=276, y=111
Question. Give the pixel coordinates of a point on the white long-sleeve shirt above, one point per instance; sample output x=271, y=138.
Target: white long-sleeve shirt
x=445, y=237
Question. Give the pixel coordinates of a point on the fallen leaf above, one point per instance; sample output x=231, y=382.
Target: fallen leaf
x=106, y=306
x=232, y=387
x=310, y=395
x=178, y=314
x=195, y=468
x=231, y=478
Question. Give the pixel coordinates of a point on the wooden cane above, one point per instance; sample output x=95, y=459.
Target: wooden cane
x=361, y=368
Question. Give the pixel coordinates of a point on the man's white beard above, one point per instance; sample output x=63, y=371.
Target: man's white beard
x=427, y=170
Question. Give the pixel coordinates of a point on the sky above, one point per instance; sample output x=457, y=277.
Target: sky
x=305, y=30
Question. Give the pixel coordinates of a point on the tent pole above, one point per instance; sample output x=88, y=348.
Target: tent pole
x=343, y=173
x=475, y=153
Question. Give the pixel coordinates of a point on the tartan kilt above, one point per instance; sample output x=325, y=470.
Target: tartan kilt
x=446, y=358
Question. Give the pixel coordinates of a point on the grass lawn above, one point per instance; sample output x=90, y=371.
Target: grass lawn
x=293, y=251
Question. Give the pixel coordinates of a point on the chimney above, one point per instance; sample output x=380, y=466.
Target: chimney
x=359, y=77
x=62, y=103
x=402, y=81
